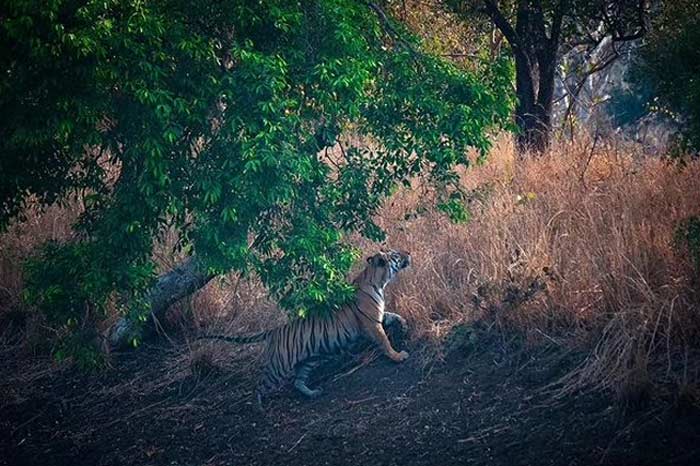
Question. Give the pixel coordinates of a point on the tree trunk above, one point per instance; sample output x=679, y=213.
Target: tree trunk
x=535, y=91
x=535, y=62
x=170, y=287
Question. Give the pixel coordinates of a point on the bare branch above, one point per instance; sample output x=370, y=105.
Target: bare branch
x=460, y=55
x=502, y=23
x=595, y=68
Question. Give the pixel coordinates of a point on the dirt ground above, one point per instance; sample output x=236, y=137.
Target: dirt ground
x=481, y=406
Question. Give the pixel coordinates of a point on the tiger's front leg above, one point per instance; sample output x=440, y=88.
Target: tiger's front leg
x=390, y=318
x=376, y=333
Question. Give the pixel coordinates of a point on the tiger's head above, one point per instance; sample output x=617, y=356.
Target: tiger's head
x=383, y=267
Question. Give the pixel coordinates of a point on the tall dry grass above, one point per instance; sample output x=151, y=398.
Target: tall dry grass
x=574, y=247
x=22, y=238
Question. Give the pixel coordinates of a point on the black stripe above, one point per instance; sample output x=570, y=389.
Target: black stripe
x=275, y=371
x=292, y=346
x=348, y=331
x=306, y=350
x=343, y=329
x=312, y=337
x=324, y=336
x=299, y=345
x=288, y=339
x=366, y=316
x=292, y=339
x=372, y=297
x=242, y=339
x=341, y=323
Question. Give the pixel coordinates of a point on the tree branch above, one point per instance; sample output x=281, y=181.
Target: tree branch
x=170, y=287
x=384, y=19
x=538, y=20
x=558, y=20
x=594, y=68
x=617, y=28
x=502, y=23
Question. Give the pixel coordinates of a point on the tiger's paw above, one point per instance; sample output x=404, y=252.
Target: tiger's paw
x=401, y=357
x=305, y=390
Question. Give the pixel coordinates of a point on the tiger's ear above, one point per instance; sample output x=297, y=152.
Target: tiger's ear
x=376, y=260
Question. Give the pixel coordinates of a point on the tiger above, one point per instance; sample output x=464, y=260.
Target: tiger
x=294, y=350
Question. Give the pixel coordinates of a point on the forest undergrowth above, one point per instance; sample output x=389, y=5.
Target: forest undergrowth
x=586, y=247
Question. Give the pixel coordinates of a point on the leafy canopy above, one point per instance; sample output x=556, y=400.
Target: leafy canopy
x=215, y=118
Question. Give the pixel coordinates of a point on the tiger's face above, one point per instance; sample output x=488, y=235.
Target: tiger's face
x=385, y=265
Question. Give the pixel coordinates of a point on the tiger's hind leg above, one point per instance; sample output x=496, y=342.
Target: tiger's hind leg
x=302, y=377
x=274, y=376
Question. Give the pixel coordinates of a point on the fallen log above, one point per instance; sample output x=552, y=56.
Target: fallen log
x=183, y=280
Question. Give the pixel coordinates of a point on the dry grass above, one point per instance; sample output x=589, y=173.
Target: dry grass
x=575, y=247
x=38, y=226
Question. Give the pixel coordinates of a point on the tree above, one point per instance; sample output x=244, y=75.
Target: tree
x=665, y=75
x=217, y=118
x=537, y=30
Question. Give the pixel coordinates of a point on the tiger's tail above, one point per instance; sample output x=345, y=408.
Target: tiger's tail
x=242, y=339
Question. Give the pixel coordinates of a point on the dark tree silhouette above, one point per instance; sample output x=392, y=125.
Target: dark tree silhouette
x=539, y=31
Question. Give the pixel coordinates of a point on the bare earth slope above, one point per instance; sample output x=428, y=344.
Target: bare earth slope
x=478, y=407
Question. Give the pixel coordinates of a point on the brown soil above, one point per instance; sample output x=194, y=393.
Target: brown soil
x=483, y=406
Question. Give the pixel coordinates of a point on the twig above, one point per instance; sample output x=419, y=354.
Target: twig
x=590, y=156
x=297, y=442
x=389, y=28
x=357, y=402
x=130, y=415
x=359, y=366
x=594, y=68
x=485, y=433
x=28, y=421
x=460, y=55
x=548, y=337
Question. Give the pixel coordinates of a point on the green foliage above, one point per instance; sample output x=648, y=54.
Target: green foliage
x=455, y=206
x=79, y=346
x=665, y=76
x=216, y=118
x=463, y=339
